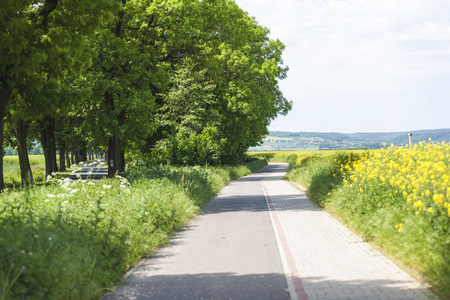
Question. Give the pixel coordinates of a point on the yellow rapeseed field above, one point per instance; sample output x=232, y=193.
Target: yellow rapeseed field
x=421, y=174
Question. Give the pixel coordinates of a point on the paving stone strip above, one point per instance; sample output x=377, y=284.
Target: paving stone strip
x=262, y=238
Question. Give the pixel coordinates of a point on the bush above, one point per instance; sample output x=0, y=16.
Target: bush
x=320, y=173
x=189, y=148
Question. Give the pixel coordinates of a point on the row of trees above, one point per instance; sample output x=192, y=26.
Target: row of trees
x=182, y=81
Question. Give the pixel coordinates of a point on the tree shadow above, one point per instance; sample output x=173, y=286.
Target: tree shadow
x=257, y=286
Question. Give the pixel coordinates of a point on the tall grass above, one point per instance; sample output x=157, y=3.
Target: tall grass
x=76, y=239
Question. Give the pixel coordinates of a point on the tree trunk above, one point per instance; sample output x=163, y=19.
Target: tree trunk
x=73, y=156
x=67, y=158
x=49, y=145
x=113, y=157
x=83, y=155
x=62, y=157
x=122, y=161
x=77, y=157
x=21, y=133
x=5, y=93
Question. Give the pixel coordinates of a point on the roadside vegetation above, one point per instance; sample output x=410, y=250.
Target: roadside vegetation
x=76, y=239
x=397, y=198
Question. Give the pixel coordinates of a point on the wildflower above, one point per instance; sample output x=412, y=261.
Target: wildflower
x=438, y=199
x=399, y=227
x=107, y=186
x=418, y=204
x=51, y=196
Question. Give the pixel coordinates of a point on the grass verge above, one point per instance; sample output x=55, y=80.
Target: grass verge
x=76, y=239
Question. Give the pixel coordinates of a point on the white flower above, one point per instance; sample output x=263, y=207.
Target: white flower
x=46, y=200
x=54, y=173
x=49, y=238
x=91, y=183
x=107, y=186
x=74, y=191
x=49, y=177
x=36, y=236
x=51, y=196
x=65, y=186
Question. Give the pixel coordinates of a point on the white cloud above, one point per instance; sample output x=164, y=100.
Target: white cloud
x=354, y=50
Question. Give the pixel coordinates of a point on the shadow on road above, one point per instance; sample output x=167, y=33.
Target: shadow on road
x=251, y=286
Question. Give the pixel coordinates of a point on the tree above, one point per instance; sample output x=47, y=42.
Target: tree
x=21, y=123
x=125, y=77
x=225, y=64
x=43, y=39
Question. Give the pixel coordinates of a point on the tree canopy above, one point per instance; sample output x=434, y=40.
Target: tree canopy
x=182, y=81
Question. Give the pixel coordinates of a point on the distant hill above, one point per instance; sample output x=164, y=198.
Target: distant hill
x=284, y=141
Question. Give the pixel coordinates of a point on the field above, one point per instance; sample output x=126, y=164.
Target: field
x=12, y=162
x=11, y=170
x=396, y=198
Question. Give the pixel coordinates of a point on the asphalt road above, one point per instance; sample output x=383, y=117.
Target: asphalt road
x=228, y=252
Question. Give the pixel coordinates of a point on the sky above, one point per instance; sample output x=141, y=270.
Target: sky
x=361, y=65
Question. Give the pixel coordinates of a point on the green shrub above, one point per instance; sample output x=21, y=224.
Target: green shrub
x=190, y=148
x=12, y=179
x=320, y=174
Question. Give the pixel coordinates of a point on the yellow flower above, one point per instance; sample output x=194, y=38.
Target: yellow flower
x=418, y=204
x=399, y=227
